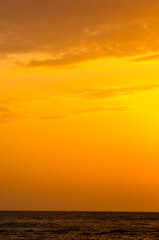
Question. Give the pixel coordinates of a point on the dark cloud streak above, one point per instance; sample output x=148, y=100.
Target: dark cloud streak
x=114, y=92
x=146, y=58
x=6, y=115
x=85, y=111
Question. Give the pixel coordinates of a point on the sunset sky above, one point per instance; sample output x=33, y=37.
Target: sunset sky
x=79, y=105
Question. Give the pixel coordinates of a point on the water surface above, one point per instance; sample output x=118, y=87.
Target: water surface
x=78, y=225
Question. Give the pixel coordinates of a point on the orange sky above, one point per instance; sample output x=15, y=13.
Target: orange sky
x=79, y=96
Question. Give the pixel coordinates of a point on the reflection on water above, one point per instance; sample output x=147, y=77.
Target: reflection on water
x=78, y=225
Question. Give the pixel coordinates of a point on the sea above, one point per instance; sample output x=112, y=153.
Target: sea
x=78, y=225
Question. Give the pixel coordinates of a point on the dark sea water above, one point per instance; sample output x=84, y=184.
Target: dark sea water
x=78, y=225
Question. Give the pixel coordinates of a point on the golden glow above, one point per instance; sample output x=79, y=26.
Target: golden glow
x=79, y=106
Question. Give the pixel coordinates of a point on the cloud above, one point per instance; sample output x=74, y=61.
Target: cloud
x=146, y=58
x=85, y=111
x=53, y=117
x=103, y=109
x=59, y=28
x=65, y=109
x=66, y=60
x=108, y=93
x=4, y=110
x=10, y=109
x=6, y=115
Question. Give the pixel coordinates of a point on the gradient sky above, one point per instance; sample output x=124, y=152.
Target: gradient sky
x=79, y=96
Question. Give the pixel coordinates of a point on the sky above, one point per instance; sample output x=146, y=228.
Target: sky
x=79, y=95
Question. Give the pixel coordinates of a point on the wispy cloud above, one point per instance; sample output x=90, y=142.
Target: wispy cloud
x=85, y=111
x=4, y=110
x=146, y=58
x=103, y=109
x=113, y=92
x=66, y=60
x=12, y=109
x=53, y=117
x=6, y=115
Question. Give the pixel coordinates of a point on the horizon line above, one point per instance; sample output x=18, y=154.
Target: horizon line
x=93, y=211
